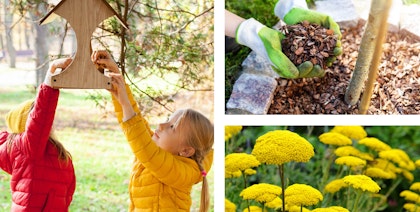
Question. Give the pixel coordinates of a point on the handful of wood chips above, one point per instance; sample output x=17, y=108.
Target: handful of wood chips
x=308, y=42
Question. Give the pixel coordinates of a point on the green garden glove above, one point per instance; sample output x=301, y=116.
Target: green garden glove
x=266, y=43
x=296, y=11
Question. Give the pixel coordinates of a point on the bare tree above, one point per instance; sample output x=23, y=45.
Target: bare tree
x=8, y=23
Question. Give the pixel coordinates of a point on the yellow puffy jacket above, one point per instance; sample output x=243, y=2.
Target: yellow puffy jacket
x=160, y=181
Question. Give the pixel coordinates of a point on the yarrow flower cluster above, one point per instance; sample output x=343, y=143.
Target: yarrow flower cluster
x=399, y=157
x=240, y=162
x=379, y=173
x=374, y=144
x=276, y=203
x=352, y=151
x=301, y=194
x=331, y=209
x=336, y=139
x=353, y=132
x=335, y=185
x=362, y=182
x=282, y=146
x=410, y=196
x=229, y=206
x=261, y=192
x=350, y=161
x=231, y=131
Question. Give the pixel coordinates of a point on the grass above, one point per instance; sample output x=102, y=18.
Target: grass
x=101, y=156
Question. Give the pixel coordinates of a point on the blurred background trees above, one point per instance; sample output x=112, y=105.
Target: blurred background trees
x=167, y=49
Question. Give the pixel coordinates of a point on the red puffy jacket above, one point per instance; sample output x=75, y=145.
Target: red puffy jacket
x=40, y=182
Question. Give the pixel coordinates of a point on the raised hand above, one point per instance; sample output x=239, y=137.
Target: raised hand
x=102, y=59
x=55, y=68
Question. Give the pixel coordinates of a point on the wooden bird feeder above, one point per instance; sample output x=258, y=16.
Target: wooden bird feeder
x=84, y=16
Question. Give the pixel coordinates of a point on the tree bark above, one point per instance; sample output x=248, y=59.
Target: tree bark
x=371, y=36
x=41, y=49
x=8, y=20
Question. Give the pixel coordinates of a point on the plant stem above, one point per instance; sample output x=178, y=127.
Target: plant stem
x=326, y=171
x=247, y=201
x=281, y=173
x=391, y=189
x=359, y=193
x=301, y=208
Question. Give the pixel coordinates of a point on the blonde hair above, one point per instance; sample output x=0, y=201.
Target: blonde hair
x=200, y=136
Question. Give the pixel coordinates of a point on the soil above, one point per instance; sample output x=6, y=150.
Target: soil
x=396, y=90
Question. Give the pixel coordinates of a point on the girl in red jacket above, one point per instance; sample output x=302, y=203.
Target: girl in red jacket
x=42, y=171
x=169, y=161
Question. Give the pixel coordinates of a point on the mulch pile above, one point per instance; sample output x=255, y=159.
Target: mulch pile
x=396, y=91
x=308, y=42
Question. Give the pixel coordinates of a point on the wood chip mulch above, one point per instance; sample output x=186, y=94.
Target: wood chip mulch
x=308, y=42
x=396, y=90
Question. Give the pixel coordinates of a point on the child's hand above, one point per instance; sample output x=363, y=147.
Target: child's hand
x=55, y=68
x=120, y=93
x=118, y=88
x=102, y=59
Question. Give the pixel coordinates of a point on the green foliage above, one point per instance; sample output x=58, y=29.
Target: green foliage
x=408, y=2
x=317, y=172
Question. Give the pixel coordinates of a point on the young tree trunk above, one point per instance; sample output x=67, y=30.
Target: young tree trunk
x=372, y=37
x=377, y=54
x=8, y=21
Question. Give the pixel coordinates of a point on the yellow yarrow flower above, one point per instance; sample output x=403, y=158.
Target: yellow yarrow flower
x=408, y=175
x=335, y=186
x=282, y=146
x=410, y=196
x=418, y=163
x=261, y=192
x=379, y=173
x=301, y=194
x=276, y=203
x=233, y=174
x=295, y=208
x=254, y=208
x=387, y=166
x=412, y=207
x=415, y=186
x=331, y=209
x=353, y=132
x=351, y=151
x=229, y=206
x=231, y=131
x=362, y=182
x=240, y=162
x=350, y=161
x=399, y=157
x=335, y=139
x=374, y=144
x=250, y=172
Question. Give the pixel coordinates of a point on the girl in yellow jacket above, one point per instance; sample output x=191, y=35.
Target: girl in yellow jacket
x=168, y=161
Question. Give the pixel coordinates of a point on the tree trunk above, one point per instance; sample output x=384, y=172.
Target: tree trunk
x=8, y=20
x=377, y=54
x=378, y=12
x=41, y=49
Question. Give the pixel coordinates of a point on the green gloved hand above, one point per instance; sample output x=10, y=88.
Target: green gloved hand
x=266, y=43
x=296, y=11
